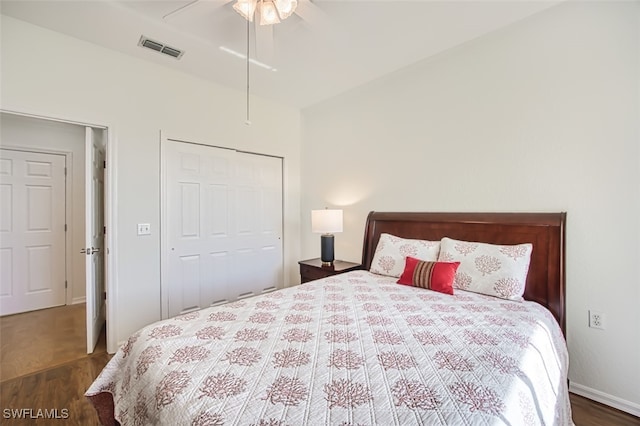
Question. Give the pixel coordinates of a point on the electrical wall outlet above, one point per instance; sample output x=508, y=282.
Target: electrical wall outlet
x=144, y=229
x=596, y=320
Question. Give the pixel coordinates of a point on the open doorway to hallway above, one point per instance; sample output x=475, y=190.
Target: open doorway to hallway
x=71, y=265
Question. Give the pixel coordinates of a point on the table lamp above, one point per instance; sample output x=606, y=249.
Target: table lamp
x=326, y=222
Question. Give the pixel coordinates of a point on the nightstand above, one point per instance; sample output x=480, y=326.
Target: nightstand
x=312, y=269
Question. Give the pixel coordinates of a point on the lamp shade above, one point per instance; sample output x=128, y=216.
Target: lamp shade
x=246, y=8
x=268, y=13
x=286, y=7
x=326, y=221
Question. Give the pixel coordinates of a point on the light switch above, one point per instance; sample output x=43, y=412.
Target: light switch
x=144, y=229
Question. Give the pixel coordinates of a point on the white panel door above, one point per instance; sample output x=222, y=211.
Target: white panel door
x=258, y=211
x=220, y=245
x=32, y=231
x=94, y=235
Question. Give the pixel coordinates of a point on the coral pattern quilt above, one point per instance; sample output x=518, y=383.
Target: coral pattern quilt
x=352, y=349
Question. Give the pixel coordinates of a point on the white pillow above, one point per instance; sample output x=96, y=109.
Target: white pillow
x=391, y=252
x=494, y=270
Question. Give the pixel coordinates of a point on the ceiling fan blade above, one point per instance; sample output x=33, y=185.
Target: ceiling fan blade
x=310, y=13
x=264, y=43
x=194, y=6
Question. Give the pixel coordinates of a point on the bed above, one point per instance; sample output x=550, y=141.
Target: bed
x=359, y=348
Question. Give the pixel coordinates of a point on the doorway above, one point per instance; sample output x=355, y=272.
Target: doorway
x=76, y=142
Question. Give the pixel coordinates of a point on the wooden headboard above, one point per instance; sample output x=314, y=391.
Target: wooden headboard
x=546, y=231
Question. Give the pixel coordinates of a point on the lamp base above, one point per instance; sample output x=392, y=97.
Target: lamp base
x=326, y=249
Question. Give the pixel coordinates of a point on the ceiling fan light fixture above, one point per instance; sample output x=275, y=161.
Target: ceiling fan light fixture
x=271, y=11
x=268, y=13
x=245, y=8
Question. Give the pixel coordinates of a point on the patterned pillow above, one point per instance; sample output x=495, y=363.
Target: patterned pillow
x=494, y=270
x=436, y=276
x=391, y=251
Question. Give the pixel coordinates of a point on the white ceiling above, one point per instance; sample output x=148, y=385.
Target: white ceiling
x=328, y=47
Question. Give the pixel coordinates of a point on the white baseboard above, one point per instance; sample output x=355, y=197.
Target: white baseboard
x=77, y=300
x=605, y=398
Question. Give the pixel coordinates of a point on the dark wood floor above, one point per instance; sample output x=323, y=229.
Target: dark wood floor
x=60, y=337
x=61, y=387
x=590, y=413
x=44, y=366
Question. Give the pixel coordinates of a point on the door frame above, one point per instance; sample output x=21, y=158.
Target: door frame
x=110, y=214
x=68, y=209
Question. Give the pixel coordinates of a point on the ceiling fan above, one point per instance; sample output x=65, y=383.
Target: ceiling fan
x=263, y=14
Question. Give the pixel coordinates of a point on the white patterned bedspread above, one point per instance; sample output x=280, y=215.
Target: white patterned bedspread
x=353, y=349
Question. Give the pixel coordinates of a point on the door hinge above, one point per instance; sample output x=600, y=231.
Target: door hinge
x=65, y=284
x=104, y=230
x=65, y=227
x=104, y=295
x=104, y=164
x=65, y=171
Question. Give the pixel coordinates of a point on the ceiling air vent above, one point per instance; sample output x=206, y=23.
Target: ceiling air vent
x=160, y=47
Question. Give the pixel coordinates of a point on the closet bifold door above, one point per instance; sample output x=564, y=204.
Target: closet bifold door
x=221, y=225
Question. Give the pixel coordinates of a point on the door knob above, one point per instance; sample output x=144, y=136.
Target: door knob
x=89, y=250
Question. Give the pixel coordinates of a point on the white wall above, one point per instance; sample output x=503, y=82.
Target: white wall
x=50, y=74
x=540, y=116
x=27, y=132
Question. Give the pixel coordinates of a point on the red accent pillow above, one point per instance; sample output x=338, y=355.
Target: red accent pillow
x=436, y=276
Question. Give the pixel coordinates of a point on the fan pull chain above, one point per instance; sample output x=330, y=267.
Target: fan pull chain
x=247, y=121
